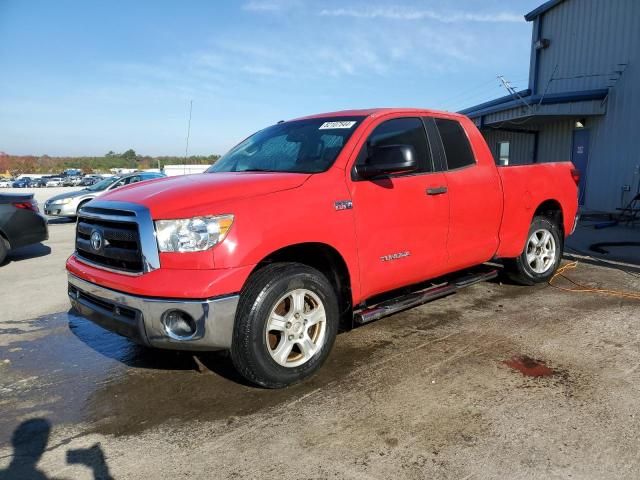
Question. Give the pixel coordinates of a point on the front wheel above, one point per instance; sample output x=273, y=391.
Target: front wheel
x=541, y=256
x=286, y=323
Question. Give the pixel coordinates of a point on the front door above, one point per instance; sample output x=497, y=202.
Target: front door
x=580, y=159
x=401, y=228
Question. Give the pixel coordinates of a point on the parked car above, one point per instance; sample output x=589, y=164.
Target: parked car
x=55, y=182
x=38, y=182
x=68, y=204
x=311, y=225
x=5, y=183
x=23, y=182
x=21, y=223
x=71, y=181
x=88, y=181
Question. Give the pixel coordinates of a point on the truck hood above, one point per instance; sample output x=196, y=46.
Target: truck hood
x=188, y=195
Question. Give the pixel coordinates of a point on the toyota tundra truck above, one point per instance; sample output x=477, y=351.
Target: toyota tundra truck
x=312, y=226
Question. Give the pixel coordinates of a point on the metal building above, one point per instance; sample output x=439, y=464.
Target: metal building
x=583, y=100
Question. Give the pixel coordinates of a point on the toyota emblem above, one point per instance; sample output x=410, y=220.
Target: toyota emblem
x=96, y=240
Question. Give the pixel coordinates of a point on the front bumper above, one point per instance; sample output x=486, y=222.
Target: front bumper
x=61, y=210
x=140, y=318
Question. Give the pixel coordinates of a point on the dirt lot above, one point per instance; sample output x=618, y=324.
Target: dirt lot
x=423, y=394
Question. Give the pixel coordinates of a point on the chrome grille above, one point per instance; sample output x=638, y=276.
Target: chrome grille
x=116, y=236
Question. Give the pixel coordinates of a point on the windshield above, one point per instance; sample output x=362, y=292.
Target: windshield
x=303, y=146
x=103, y=184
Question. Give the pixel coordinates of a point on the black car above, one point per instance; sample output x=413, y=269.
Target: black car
x=38, y=182
x=20, y=223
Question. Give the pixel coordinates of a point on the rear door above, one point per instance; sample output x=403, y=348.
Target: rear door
x=401, y=230
x=475, y=197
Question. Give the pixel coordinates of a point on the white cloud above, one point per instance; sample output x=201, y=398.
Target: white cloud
x=262, y=6
x=269, y=5
x=399, y=13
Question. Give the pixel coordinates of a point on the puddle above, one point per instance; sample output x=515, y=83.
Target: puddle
x=78, y=372
x=528, y=366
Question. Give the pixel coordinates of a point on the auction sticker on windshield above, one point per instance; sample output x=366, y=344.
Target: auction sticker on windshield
x=327, y=125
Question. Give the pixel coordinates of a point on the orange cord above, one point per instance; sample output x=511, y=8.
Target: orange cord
x=585, y=289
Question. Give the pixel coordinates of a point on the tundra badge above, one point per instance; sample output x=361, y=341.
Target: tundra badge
x=395, y=256
x=343, y=204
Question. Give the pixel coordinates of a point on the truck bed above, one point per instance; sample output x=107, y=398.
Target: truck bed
x=527, y=187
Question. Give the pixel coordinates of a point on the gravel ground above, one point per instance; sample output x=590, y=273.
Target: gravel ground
x=422, y=394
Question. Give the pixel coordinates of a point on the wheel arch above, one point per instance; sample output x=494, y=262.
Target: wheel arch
x=84, y=202
x=551, y=209
x=324, y=258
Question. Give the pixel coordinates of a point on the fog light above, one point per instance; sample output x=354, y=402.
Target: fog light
x=179, y=325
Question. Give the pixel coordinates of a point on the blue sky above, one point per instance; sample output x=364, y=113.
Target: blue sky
x=86, y=77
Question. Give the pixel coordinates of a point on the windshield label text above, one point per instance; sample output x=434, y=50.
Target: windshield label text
x=328, y=125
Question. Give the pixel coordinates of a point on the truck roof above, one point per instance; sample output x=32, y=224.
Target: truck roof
x=366, y=112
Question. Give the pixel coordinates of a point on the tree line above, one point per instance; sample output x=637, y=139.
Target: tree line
x=20, y=164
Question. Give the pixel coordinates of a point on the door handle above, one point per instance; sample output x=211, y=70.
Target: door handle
x=436, y=190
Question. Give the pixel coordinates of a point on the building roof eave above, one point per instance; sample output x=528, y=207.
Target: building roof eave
x=495, y=102
x=545, y=7
x=563, y=97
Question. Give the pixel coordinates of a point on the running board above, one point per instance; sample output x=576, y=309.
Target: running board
x=421, y=297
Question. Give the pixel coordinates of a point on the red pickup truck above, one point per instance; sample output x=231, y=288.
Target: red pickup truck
x=310, y=226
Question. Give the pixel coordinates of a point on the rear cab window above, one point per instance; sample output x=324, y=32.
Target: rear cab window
x=457, y=149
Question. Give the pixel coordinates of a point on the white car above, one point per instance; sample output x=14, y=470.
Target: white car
x=5, y=183
x=54, y=182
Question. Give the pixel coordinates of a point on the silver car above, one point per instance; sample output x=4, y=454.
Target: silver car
x=68, y=204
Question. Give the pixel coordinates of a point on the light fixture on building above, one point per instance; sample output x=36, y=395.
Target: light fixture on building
x=542, y=43
x=580, y=123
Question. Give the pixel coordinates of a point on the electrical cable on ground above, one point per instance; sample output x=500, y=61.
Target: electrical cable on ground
x=581, y=288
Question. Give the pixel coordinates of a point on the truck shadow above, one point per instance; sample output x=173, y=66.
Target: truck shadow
x=125, y=351
x=30, y=440
x=118, y=348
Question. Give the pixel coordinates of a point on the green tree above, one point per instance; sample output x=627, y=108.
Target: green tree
x=129, y=155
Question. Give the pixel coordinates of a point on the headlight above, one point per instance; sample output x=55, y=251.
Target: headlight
x=192, y=234
x=64, y=201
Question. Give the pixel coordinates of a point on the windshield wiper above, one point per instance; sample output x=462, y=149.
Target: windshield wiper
x=257, y=170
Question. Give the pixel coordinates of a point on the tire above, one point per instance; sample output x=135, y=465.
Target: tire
x=272, y=297
x=4, y=249
x=541, y=255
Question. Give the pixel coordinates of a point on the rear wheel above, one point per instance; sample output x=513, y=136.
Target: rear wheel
x=286, y=323
x=4, y=249
x=541, y=256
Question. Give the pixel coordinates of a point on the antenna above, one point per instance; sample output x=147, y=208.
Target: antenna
x=186, y=149
x=507, y=84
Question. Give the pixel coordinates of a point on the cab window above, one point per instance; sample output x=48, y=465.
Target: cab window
x=456, y=145
x=399, y=131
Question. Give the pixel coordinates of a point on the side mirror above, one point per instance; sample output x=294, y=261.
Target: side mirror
x=388, y=159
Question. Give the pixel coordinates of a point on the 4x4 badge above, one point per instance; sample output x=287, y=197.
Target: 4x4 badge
x=343, y=204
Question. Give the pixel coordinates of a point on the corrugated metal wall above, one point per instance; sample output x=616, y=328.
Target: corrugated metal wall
x=588, y=39
x=554, y=141
x=521, y=145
